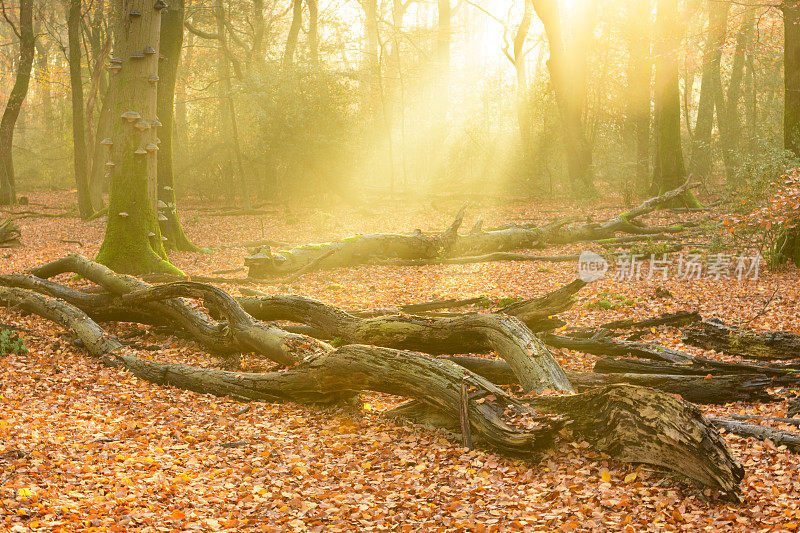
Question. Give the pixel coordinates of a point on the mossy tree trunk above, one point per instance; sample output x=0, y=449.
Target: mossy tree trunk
x=8, y=195
x=787, y=246
x=171, y=44
x=670, y=170
x=80, y=155
x=133, y=242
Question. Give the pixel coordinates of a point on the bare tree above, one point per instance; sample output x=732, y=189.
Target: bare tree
x=27, y=47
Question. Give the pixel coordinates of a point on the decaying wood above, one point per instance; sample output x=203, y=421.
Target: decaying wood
x=793, y=407
x=692, y=388
x=698, y=366
x=9, y=234
x=504, y=334
x=714, y=334
x=677, y=319
x=352, y=251
x=606, y=346
x=667, y=431
x=449, y=246
x=790, y=421
x=746, y=429
x=274, y=343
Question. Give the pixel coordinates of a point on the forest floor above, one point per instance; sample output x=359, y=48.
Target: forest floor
x=85, y=448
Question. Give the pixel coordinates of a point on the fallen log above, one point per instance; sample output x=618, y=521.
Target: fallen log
x=606, y=346
x=782, y=420
x=139, y=302
x=676, y=319
x=636, y=424
x=9, y=234
x=449, y=246
x=693, y=388
x=714, y=334
x=280, y=346
x=504, y=334
x=746, y=429
x=352, y=251
x=611, y=347
x=626, y=431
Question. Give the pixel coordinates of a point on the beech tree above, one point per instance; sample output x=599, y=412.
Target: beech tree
x=27, y=48
x=133, y=239
x=570, y=95
x=80, y=156
x=787, y=247
x=670, y=169
x=171, y=42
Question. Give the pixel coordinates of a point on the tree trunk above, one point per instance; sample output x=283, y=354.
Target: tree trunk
x=749, y=344
x=171, y=45
x=8, y=195
x=787, y=246
x=523, y=104
x=313, y=31
x=442, y=70
x=80, y=155
x=98, y=182
x=701, y=162
x=570, y=100
x=371, y=71
x=731, y=127
x=449, y=246
x=294, y=33
x=639, y=76
x=133, y=242
x=44, y=78
x=669, y=171
x=227, y=105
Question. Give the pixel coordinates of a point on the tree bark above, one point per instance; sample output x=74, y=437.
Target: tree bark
x=631, y=423
x=227, y=104
x=418, y=246
x=294, y=33
x=639, y=90
x=79, y=149
x=762, y=345
x=171, y=45
x=570, y=100
x=9, y=234
x=787, y=246
x=669, y=171
x=8, y=194
x=701, y=162
x=133, y=242
x=313, y=31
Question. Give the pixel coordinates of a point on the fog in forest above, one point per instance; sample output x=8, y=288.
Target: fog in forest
x=304, y=99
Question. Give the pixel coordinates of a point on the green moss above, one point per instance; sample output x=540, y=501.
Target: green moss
x=127, y=247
